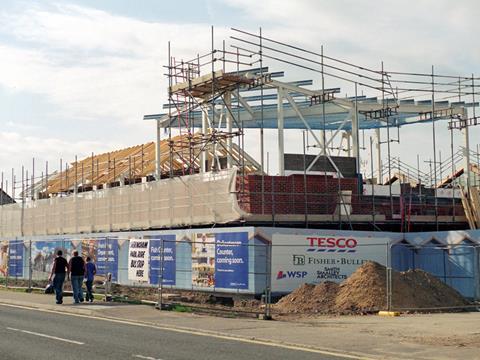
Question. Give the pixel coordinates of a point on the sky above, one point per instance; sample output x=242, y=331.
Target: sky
x=77, y=76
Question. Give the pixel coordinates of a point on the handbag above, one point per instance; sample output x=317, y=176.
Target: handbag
x=49, y=289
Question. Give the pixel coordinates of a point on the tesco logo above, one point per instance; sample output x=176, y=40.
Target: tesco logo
x=332, y=244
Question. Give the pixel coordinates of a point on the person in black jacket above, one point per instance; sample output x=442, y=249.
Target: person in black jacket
x=59, y=270
x=77, y=271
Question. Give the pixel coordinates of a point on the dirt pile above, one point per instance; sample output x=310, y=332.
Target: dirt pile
x=365, y=291
x=425, y=291
x=310, y=298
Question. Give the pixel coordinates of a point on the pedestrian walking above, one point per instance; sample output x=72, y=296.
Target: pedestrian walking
x=59, y=270
x=90, y=271
x=77, y=271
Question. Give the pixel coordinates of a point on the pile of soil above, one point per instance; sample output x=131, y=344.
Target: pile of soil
x=365, y=291
x=425, y=290
x=310, y=298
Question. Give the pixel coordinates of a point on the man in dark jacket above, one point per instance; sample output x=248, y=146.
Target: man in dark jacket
x=77, y=271
x=90, y=271
x=59, y=269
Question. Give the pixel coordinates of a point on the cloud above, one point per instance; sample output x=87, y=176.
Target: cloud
x=91, y=67
x=91, y=63
x=413, y=34
x=18, y=150
x=107, y=70
x=406, y=35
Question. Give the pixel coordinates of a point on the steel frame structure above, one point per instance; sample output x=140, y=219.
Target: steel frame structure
x=213, y=98
x=399, y=97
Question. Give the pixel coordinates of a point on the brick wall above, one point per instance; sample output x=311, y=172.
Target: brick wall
x=318, y=194
x=287, y=194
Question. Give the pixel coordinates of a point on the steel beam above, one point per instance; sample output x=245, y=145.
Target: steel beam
x=281, y=138
x=379, y=156
x=158, y=169
x=203, y=154
x=227, y=97
x=355, y=133
x=309, y=129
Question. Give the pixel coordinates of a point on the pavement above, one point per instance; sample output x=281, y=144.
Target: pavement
x=425, y=336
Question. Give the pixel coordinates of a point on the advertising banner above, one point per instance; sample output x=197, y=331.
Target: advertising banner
x=107, y=257
x=15, y=258
x=231, y=260
x=4, y=258
x=300, y=259
x=138, y=257
x=89, y=249
x=43, y=254
x=168, y=259
x=203, y=260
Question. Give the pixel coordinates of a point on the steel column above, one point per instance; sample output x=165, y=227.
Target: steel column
x=229, y=123
x=158, y=171
x=379, y=155
x=281, y=138
x=355, y=133
x=203, y=154
x=466, y=140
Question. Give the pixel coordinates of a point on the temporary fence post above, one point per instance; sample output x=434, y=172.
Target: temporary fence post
x=160, y=276
x=388, y=284
x=107, y=273
x=445, y=266
x=390, y=268
x=269, y=289
x=267, y=314
x=8, y=261
x=108, y=284
x=159, y=291
x=477, y=272
x=30, y=266
x=22, y=245
x=8, y=255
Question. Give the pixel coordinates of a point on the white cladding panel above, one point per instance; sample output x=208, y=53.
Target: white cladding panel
x=188, y=200
x=313, y=258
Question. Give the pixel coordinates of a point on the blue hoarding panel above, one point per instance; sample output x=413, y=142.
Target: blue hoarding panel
x=107, y=257
x=169, y=258
x=402, y=257
x=15, y=258
x=431, y=258
x=231, y=260
x=460, y=268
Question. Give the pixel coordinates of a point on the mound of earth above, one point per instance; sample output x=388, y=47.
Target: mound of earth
x=310, y=298
x=425, y=291
x=365, y=291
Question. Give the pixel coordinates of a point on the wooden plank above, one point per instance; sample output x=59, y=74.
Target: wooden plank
x=446, y=181
x=467, y=210
x=197, y=81
x=475, y=205
x=104, y=174
x=474, y=168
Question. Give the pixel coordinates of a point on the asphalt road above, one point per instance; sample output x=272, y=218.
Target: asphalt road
x=31, y=334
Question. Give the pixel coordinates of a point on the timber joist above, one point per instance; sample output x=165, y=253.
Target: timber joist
x=210, y=84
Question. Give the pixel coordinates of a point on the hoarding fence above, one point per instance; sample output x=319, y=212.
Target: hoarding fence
x=232, y=272
x=435, y=277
